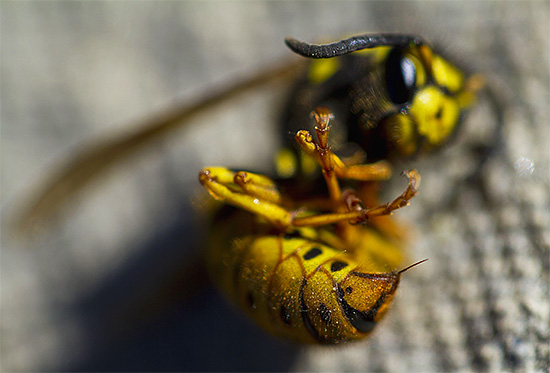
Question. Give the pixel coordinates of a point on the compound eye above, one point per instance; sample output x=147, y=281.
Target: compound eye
x=400, y=77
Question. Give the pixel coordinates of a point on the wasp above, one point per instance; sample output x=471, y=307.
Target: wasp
x=311, y=254
x=307, y=269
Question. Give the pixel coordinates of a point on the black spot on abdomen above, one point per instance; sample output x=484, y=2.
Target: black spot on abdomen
x=336, y=266
x=312, y=253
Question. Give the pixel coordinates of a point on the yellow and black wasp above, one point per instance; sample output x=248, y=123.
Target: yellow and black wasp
x=310, y=254
x=301, y=265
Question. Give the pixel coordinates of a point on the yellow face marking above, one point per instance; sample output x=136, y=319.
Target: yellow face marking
x=436, y=114
x=446, y=75
x=426, y=54
x=378, y=54
x=322, y=70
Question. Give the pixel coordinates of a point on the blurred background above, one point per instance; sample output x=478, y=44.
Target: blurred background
x=106, y=286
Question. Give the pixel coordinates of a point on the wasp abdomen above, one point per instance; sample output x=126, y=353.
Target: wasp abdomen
x=304, y=290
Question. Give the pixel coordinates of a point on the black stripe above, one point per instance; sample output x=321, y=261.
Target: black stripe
x=362, y=321
x=325, y=313
x=305, y=317
x=370, y=275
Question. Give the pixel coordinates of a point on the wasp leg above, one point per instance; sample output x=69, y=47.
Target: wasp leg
x=368, y=193
x=346, y=206
x=329, y=161
x=377, y=171
x=258, y=185
x=252, y=192
x=332, y=166
x=359, y=213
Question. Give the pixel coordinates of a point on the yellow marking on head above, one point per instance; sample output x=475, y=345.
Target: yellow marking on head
x=435, y=113
x=447, y=75
x=379, y=54
x=323, y=69
x=426, y=54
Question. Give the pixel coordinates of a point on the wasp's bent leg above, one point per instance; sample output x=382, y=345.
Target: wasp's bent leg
x=357, y=213
x=368, y=193
x=334, y=169
x=329, y=161
x=378, y=171
x=337, y=169
x=252, y=192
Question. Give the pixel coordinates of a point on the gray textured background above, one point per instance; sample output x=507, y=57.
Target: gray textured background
x=76, y=71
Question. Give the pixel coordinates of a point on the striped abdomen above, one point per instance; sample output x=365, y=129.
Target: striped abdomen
x=299, y=289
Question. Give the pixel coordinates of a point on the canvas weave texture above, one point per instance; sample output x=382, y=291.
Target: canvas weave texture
x=104, y=288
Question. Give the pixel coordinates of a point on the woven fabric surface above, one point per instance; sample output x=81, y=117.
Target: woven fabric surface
x=100, y=289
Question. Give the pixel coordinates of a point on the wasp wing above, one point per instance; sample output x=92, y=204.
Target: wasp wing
x=97, y=158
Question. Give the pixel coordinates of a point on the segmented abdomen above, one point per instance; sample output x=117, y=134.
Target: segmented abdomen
x=300, y=289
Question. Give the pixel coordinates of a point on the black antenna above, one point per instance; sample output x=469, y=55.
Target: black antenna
x=412, y=265
x=352, y=44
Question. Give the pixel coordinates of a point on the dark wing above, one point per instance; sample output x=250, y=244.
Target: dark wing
x=97, y=158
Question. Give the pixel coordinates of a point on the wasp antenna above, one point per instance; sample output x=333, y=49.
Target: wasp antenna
x=412, y=265
x=352, y=44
